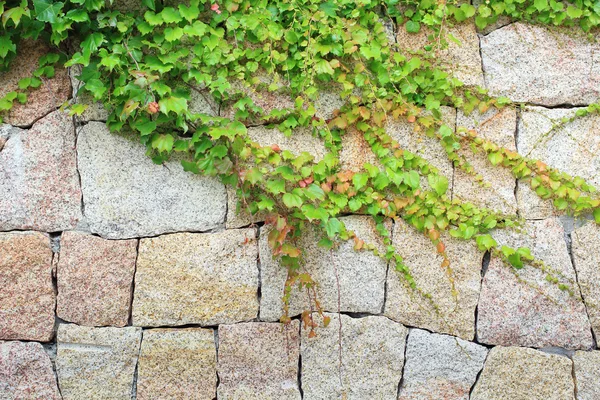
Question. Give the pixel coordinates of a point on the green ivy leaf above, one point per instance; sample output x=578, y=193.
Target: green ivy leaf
x=177, y=105
x=360, y=180
x=145, y=128
x=47, y=11
x=495, y=157
x=412, y=179
x=170, y=15
x=439, y=183
x=333, y=227
x=597, y=215
x=292, y=200
x=412, y=27
x=6, y=46
x=162, y=143
x=189, y=13
x=485, y=242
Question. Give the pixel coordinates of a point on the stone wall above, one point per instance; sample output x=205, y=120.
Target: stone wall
x=125, y=279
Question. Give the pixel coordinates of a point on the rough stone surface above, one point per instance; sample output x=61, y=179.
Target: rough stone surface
x=456, y=313
x=259, y=360
x=26, y=372
x=587, y=374
x=530, y=205
x=27, y=297
x=524, y=374
x=201, y=102
x=51, y=94
x=586, y=257
x=177, y=364
x=372, y=359
x=196, y=278
x=356, y=152
x=520, y=307
x=572, y=148
x=301, y=141
x=541, y=65
x=96, y=363
x=361, y=274
x=420, y=144
x=440, y=367
x=39, y=185
x=127, y=195
x=499, y=193
x=462, y=60
x=95, y=276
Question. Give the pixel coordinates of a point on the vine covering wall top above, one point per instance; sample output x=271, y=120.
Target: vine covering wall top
x=148, y=64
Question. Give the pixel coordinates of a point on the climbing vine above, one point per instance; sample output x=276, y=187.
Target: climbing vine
x=148, y=63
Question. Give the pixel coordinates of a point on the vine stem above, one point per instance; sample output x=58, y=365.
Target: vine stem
x=339, y=307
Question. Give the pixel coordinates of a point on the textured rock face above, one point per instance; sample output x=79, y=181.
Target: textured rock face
x=41, y=101
x=521, y=373
x=127, y=195
x=541, y=65
x=530, y=205
x=356, y=152
x=26, y=372
x=570, y=148
x=499, y=192
x=27, y=297
x=440, y=367
x=196, y=278
x=462, y=60
x=520, y=307
x=361, y=274
x=39, y=185
x=94, y=279
x=586, y=257
x=423, y=146
x=372, y=359
x=587, y=374
x=456, y=313
x=96, y=363
x=259, y=360
x=177, y=364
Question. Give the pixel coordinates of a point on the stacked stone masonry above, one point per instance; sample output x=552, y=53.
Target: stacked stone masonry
x=123, y=279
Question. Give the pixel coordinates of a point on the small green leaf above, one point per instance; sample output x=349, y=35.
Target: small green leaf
x=291, y=200
x=162, y=143
x=175, y=104
x=412, y=179
x=597, y=215
x=439, y=183
x=6, y=46
x=495, y=157
x=333, y=227
x=146, y=128
x=413, y=27
x=170, y=15
x=360, y=180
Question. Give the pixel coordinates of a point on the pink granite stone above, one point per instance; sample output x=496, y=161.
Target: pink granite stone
x=27, y=296
x=95, y=277
x=26, y=372
x=41, y=101
x=39, y=183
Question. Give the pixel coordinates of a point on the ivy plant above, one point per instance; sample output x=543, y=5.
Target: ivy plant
x=147, y=65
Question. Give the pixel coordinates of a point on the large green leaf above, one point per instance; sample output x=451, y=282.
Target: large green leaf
x=47, y=11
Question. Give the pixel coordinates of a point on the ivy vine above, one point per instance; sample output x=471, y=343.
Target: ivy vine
x=146, y=64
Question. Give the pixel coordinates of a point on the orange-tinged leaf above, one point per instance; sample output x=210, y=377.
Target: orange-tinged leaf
x=441, y=247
